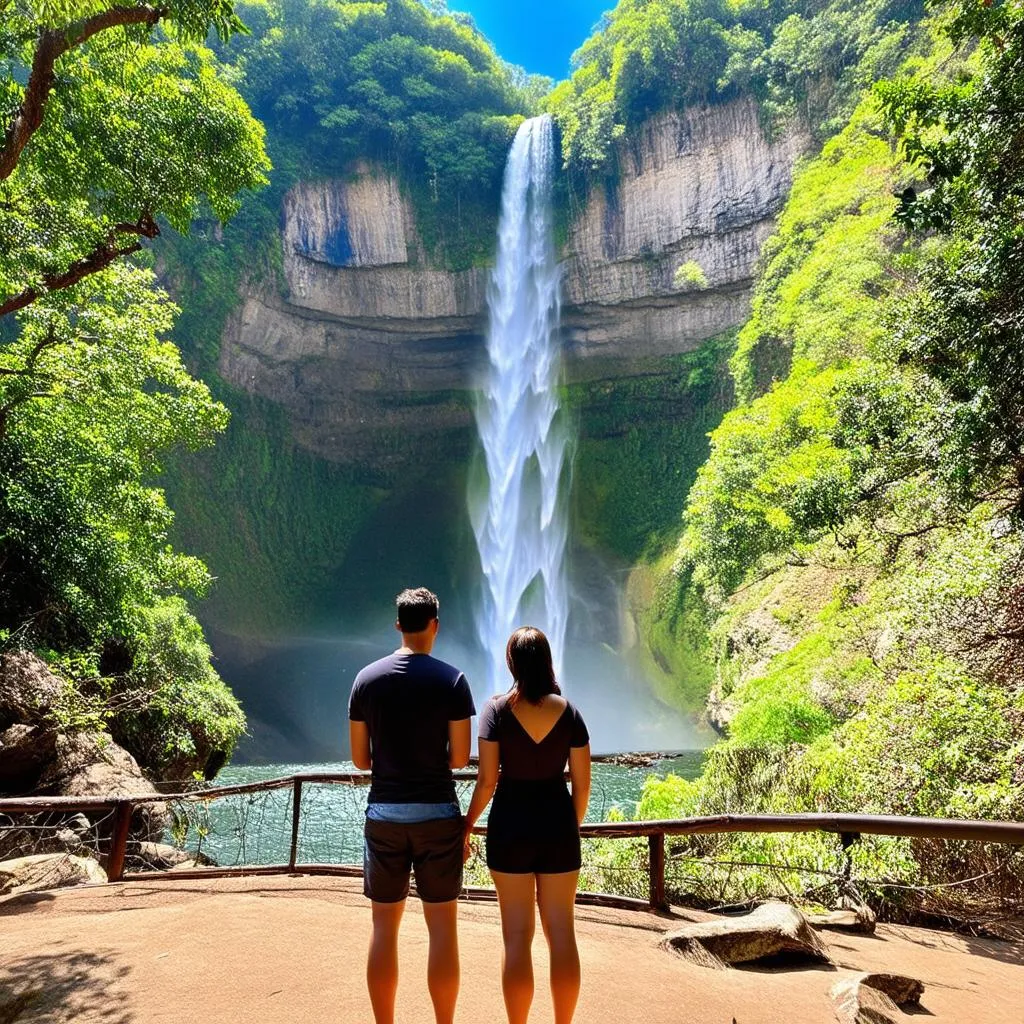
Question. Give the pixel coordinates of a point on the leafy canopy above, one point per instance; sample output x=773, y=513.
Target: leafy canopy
x=648, y=56
x=348, y=80
x=128, y=125
x=115, y=120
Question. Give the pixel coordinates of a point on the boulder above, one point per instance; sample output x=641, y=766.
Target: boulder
x=25, y=751
x=47, y=871
x=28, y=689
x=873, y=998
x=163, y=857
x=852, y=919
x=770, y=930
x=899, y=988
x=92, y=764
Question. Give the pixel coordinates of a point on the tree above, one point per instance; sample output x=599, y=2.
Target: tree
x=964, y=324
x=114, y=120
x=123, y=119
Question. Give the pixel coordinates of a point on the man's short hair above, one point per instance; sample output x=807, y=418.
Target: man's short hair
x=417, y=608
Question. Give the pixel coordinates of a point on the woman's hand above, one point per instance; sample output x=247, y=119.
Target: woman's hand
x=467, y=845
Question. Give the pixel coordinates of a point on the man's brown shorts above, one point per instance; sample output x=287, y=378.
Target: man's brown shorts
x=431, y=850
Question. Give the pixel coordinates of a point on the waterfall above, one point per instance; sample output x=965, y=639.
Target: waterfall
x=518, y=513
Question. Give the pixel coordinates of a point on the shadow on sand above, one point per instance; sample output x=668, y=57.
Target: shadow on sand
x=66, y=985
x=1007, y=951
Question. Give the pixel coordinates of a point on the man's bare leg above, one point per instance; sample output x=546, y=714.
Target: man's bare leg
x=443, y=961
x=382, y=962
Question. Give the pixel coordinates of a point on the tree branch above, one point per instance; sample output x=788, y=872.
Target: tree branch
x=99, y=259
x=47, y=341
x=52, y=45
x=6, y=410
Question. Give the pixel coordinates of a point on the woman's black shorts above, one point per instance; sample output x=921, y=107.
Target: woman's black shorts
x=532, y=829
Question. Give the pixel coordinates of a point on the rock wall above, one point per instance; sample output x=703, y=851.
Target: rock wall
x=373, y=352
x=704, y=185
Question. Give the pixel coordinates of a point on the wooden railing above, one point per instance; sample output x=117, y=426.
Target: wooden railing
x=847, y=826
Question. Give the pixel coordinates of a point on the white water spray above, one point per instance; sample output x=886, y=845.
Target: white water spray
x=519, y=516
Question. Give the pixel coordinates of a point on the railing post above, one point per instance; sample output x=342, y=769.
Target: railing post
x=656, y=865
x=119, y=840
x=296, y=814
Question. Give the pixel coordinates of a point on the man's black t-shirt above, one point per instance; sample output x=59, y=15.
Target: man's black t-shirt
x=407, y=701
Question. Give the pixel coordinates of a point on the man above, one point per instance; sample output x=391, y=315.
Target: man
x=409, y=723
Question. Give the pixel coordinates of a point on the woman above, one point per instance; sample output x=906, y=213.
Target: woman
x=533, y=837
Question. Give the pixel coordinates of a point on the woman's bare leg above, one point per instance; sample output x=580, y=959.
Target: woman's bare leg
x=556, y=897
x=516, y=899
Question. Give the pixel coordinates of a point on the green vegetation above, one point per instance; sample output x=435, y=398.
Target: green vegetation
x=648, y=56
x=271, y=520
x=643, y=438
x=124, y=124
x=403, y=86
x=690, y=276
x=853, y=541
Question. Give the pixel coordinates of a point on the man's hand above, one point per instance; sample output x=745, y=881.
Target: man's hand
x=467, y=845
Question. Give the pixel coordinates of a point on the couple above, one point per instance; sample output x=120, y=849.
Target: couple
x=409, y=723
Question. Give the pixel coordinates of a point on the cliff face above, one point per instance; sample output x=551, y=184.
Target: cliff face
x=700, y=186
x=367, y=344
x=373, y=352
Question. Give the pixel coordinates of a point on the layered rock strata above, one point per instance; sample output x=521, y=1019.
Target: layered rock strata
x=373, y=352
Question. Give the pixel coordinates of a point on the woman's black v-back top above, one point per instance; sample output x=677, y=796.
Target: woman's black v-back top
x=532, y=825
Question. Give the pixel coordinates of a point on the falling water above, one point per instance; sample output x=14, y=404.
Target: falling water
x=518, y=514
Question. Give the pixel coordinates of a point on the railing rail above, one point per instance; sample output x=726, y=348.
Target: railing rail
x=849, y=826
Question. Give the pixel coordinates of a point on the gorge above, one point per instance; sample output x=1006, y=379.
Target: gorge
x=790, y=328
x=372, y=353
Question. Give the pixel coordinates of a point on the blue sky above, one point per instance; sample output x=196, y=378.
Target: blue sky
x=538, y=34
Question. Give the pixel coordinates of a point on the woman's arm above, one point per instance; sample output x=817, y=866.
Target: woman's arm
x=486, y=780
x=579, y=777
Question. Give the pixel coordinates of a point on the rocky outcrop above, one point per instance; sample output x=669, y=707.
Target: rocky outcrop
x=25, y=752
x=704, y=186
x=90, y=763
x=847, y=919
x=47, y=871
x=29, y=691
x=363, y=223
x=368, y=343
x=873, y=998
x=770, y=930
x=85, y=764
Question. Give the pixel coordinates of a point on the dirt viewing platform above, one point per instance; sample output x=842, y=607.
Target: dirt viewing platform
x=291, y=949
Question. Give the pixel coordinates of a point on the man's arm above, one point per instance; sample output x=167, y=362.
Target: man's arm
x=459, y=740
x=359, y=741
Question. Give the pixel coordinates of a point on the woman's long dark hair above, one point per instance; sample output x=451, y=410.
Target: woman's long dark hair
x=528, y=656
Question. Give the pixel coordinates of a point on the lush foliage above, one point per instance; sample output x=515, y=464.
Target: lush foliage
x=854, y=536
x=94, y=399
x=808, y=59
x=129, y=132
x=123, y=123
x=188, y=719
x=966, y=317
x=400, y=85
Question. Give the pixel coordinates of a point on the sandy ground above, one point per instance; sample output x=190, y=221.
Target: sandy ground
x=290, y=951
